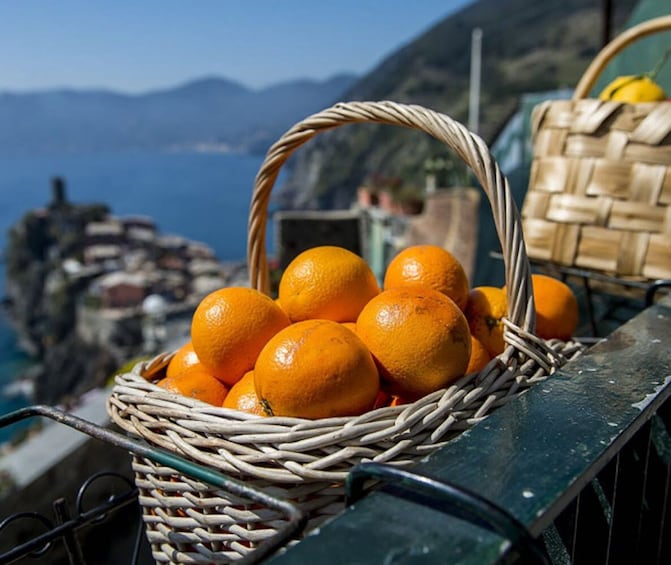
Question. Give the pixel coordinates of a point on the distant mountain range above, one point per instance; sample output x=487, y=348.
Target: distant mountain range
x=210, y=112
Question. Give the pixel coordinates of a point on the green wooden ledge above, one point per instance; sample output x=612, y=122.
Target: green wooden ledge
x=530, y=458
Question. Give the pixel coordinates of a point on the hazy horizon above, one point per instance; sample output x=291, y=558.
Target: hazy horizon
x=136, y=47
x=166, y=87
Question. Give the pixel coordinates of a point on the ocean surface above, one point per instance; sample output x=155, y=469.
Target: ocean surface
x=201, y=196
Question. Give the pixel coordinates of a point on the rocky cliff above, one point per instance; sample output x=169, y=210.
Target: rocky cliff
x=89, y=292
x=42, y=304
x=527, y=46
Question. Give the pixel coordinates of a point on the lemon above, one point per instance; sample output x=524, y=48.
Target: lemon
x=633, y=89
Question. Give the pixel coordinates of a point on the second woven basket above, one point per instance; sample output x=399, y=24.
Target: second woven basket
x=600, y=182
x=306, y=461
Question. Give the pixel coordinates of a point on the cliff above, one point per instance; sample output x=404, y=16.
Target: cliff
x=42, y=306
x=80, y=283
x=527, y=46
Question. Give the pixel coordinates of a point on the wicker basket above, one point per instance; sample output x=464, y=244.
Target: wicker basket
x=306, y=461
x=600, y=182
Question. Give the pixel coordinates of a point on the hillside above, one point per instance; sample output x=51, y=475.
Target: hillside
x=210, y=111
x=527, y=46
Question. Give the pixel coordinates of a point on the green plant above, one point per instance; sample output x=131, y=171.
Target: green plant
x=126, y=368
x=7, y=483
x=448, y=170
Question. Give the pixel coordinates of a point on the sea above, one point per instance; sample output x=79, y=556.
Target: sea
x=203, y=196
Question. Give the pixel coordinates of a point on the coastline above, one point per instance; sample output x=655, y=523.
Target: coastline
x=16, y=384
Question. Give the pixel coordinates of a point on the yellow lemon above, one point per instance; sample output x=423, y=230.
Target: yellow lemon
x=633, y=89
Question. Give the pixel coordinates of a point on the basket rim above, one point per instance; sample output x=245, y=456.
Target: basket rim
x=521, y=346
x=290, y=450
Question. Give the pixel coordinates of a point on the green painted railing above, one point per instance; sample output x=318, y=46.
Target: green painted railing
x=582, y=462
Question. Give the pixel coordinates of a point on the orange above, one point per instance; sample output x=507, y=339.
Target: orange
x=557, y=312
x=242, y=396
x=230, y=327
x=196, y=382
x=419, y=338
x=485, y=308
x=399, y=401
x=183, y=358
x=479, y=356
x=350, y=326
x=316, y=369
x=326, y=282
x=382, y=399
x=432, y=266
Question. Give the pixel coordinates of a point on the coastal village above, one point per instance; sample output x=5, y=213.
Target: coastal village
x=135, y=272
x=127, y=288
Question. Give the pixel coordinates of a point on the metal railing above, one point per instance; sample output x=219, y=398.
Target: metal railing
x=63, y=526
x=67, y=528
x=623, y=515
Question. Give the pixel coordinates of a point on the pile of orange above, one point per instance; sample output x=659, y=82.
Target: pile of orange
x=334, y=343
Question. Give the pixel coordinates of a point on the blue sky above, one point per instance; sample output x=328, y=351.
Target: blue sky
x=139, y=45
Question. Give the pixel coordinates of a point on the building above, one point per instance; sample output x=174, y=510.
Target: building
x=121, y=289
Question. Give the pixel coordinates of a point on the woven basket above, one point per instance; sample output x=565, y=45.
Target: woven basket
x=600, y=181
x=306, y=461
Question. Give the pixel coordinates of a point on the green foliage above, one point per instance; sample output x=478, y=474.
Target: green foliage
x=127, y=367
x=93, y=212
x=449, y=170
x=92, y=301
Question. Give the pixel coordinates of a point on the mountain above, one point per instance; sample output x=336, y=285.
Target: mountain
x=527, y=46
x=209, y=111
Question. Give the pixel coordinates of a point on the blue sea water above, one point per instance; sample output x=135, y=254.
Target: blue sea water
x=201, y=196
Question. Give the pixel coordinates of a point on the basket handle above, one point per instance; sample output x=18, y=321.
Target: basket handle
x=468, y=146
x=602, y=59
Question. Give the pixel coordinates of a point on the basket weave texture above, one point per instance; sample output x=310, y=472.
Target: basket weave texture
x=306, y=461
x=600, y=181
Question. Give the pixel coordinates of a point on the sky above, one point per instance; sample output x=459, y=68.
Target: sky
x=139, y=45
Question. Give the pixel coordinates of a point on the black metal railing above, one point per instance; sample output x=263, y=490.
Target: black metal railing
x=624, y=514
x=58, y=537
x=61, y=536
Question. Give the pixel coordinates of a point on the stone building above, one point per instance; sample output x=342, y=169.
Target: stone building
x=122, y=290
